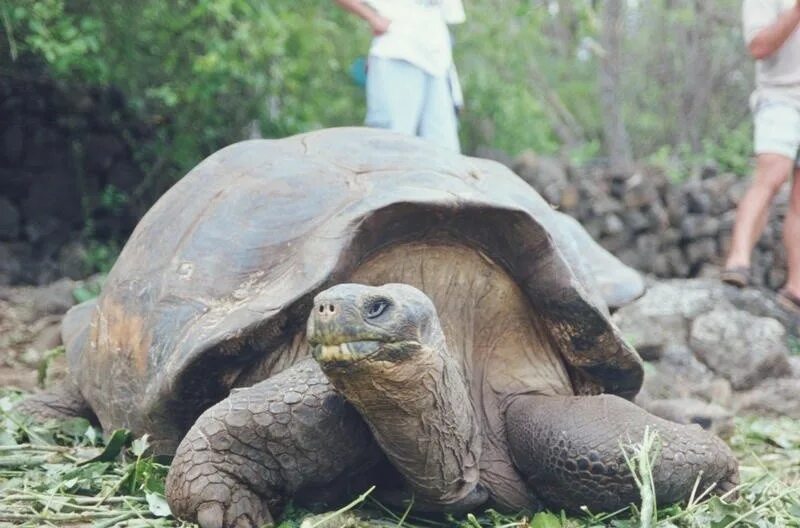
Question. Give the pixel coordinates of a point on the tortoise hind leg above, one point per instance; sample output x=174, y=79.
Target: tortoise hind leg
x=248, y=454
x=570, y=451
x=61, y=402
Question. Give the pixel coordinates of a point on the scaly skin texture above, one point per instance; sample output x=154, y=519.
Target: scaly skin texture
x=262, y=445
x=570, y=450
x=62, y=402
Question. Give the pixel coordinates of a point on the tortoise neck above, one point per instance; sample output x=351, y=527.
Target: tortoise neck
x=420, y=412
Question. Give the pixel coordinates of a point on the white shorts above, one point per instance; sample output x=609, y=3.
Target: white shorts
x=777, y=129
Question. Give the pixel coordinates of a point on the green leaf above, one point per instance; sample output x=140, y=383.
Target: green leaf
x=74, y=428
x=83, y=294
x=140, y=445
x=158, y=505
x=545, y=520
x=116, y=442
x=720, y=513
x=7, y=439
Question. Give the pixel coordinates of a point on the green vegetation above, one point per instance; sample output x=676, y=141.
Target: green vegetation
x=66, y=473
x=204, y=72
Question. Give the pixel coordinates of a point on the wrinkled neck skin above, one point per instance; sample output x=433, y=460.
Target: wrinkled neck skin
x=420, y=412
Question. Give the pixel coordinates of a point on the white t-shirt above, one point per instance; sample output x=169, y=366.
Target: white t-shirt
x=777, y=76
x=418, y=32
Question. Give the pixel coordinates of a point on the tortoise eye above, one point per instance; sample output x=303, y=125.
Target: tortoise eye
x=376, y=308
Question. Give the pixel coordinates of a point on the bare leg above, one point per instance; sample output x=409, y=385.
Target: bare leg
x=247, y=455
x=570, y=451
x=791, y=237
x=752, y=213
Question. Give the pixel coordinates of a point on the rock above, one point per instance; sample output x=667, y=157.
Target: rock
x=710, y=169
x=777, y=397
x=545, y=174
x=53, y=299
x=678, y=374
x=639, y=192
x=603, y=205
x=49, y=336
x=612, y=225
x=53, y=194
x=11, y=263
x=9, y=220
x=13, y=143
x=760, y=303
x=794, y=363
x=709, y=416
x=570, y=197
x=494, y=154
x=678, y=263
x=740, y=347
x=684, y=298
x=698, y=201
x=697, y=226
x=72, y=259
x=637, y=221
x=702, y=250
x=101, y=151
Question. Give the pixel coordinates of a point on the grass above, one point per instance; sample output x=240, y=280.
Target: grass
x=66, y=474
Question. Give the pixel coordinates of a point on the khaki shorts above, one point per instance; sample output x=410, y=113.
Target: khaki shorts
x=777, y=129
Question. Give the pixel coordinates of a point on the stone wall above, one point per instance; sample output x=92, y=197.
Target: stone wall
x=64, y=153
x=672, y=230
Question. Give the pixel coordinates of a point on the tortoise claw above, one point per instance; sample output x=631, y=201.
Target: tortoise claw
x=210, y=515
x=216, y=515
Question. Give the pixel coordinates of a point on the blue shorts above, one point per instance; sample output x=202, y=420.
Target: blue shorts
x=406, y=99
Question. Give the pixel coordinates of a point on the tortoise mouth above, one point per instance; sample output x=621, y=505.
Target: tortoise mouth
x=348, y=353
x=345, y=352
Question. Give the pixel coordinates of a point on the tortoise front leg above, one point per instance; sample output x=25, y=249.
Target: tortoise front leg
x=61, y=402
x=570, y=451
x=248, y=454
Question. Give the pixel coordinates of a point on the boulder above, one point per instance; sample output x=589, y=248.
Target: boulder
x=742, y=348
x=663, y=315
x=53, y=299
x=678, y=374
x=780, y=397
x=709, y=416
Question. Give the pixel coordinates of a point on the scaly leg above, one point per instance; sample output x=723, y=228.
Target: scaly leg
x=248, y=454
x=570, y=451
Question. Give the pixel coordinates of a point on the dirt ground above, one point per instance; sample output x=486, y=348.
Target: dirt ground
x=29, y=339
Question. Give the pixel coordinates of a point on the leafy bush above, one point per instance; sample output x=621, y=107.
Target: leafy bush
x=201, y=71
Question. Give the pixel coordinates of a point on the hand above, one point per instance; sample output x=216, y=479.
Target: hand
x=380, y=24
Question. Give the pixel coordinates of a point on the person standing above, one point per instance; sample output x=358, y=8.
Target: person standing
x=773, y=39
x=410, y=72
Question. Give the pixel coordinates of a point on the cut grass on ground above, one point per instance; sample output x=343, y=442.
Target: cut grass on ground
x=67, y=475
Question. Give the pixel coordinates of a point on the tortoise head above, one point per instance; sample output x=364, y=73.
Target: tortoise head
x=384, y=350
x=353, y=323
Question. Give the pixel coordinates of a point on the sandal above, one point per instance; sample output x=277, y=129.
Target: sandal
x=789, y=301
x=738, y=276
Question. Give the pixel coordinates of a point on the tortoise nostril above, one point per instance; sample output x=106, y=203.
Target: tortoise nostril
x=331, y=308
x=321, y=308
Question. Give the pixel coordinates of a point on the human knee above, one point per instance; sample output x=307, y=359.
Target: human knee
x=771, y=173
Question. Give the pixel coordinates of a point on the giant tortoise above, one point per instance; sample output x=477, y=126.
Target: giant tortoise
x=299, y=318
